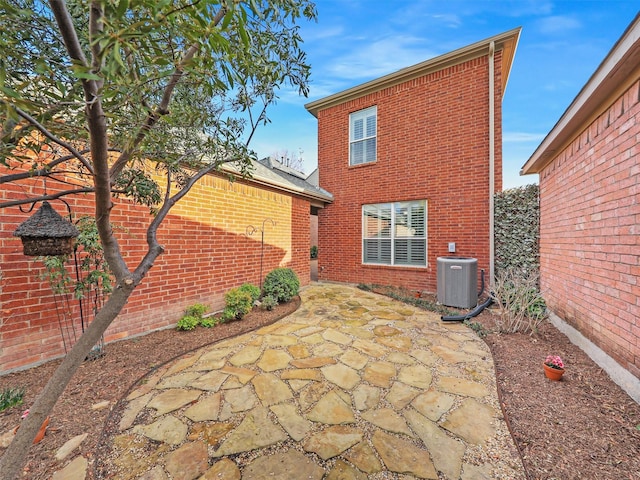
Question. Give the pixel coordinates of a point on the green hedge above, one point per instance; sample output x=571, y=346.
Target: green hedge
x=517, y=230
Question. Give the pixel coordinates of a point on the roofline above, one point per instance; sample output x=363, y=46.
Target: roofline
x=282, y=186
x=617, y=72
x=506, y=41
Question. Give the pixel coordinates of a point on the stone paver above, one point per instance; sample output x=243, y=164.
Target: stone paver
x=69, y=446
x=75, y=470
x=351, y=386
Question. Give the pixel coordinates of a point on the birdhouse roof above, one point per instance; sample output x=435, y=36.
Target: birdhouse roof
x=46, y=223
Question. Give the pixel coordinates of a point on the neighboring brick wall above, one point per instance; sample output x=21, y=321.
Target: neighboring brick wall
x=432, y=144
x=590, y=234
x=207, y=253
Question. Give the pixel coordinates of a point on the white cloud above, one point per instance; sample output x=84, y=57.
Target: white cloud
x=520, y=137
x=316, y=33
x=558, y=24
x=449, y=20
x=380, y=57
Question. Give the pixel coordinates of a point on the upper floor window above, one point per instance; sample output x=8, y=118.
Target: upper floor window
x=362, y=136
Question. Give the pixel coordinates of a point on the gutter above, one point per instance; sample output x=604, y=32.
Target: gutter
x=492, y=153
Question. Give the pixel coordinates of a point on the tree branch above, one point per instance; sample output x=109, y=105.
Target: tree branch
x=68, y=32
x=41, y=198
x=42, y=129
x=41, y=172
x=163, y=106
x=155, y=248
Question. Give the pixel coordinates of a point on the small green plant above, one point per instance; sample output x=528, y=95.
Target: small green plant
x=228, y=315
x=188, y=322
x=282, y=284
x=239, y=302
x=196, y=310
x=207, y=322
x=314, y=252
x=252, y=290
x=10, y=397
x=476, y=327
x=268, y=302
x=193, y=316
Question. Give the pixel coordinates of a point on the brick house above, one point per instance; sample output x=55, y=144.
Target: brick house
x=207, y=252
x=413, y=159
x=589, y=170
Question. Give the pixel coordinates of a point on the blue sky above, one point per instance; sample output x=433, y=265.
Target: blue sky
x=561, y=45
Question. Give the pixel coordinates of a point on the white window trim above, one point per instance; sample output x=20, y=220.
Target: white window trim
x=352, y=118
x=393, y=237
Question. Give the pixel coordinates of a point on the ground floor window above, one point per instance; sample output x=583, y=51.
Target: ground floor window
x=395, y=233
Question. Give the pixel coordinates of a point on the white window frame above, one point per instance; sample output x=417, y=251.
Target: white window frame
x=368, y=141
x=395, y=234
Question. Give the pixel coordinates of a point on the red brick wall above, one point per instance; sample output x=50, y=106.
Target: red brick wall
x=590, y=234
x=207, y=253
x=432, y=144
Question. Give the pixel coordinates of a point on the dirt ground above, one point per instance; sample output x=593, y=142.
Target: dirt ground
x=583, y=427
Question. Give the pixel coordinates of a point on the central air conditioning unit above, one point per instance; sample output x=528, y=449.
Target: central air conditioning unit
x=458, y=281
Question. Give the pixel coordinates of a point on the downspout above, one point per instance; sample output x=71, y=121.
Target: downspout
x=492, y=49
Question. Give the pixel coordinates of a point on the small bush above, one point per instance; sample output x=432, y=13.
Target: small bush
x=314, y=252
x=188, y=322
x=239, y=302
x=268, y=303
x=193, y=316
x=282, y=284
x=10, y=397
x=251, y=290
x=228, y=315
x=207, y=322
x=521, y=307
x=196, y=310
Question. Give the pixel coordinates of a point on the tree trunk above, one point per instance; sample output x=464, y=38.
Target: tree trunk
x=15, y=457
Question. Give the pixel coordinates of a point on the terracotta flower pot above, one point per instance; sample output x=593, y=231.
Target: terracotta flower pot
x=553, y=373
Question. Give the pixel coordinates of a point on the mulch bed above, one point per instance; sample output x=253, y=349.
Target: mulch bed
x=583, y=427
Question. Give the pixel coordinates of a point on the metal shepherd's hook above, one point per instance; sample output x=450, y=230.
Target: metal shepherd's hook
x=250, y=230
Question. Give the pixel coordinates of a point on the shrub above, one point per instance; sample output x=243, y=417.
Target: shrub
x=196, y=310
x=10, y=397
x=207, y=322
x=188, y=322
x=314, y=252
x=227, y=315
x=521, y=307
x=239, y=302
x=193, y=316
x=251, y=290
x=268, y=302
x=282, y=284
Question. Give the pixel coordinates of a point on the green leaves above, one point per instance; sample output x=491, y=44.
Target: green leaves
x=517, y=220
x=123, y=6
x=159, y=103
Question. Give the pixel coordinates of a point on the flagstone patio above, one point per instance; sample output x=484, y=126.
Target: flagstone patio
x=353, y=385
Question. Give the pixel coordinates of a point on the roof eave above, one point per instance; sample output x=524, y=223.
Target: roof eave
x=282, y=186
x=506, y=41
x=619, y=70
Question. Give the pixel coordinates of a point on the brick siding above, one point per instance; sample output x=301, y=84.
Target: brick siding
x=432, y=144
x=590, y=234
x=207, y=253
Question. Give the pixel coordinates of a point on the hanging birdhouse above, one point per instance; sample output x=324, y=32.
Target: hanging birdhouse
x=46, y=233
